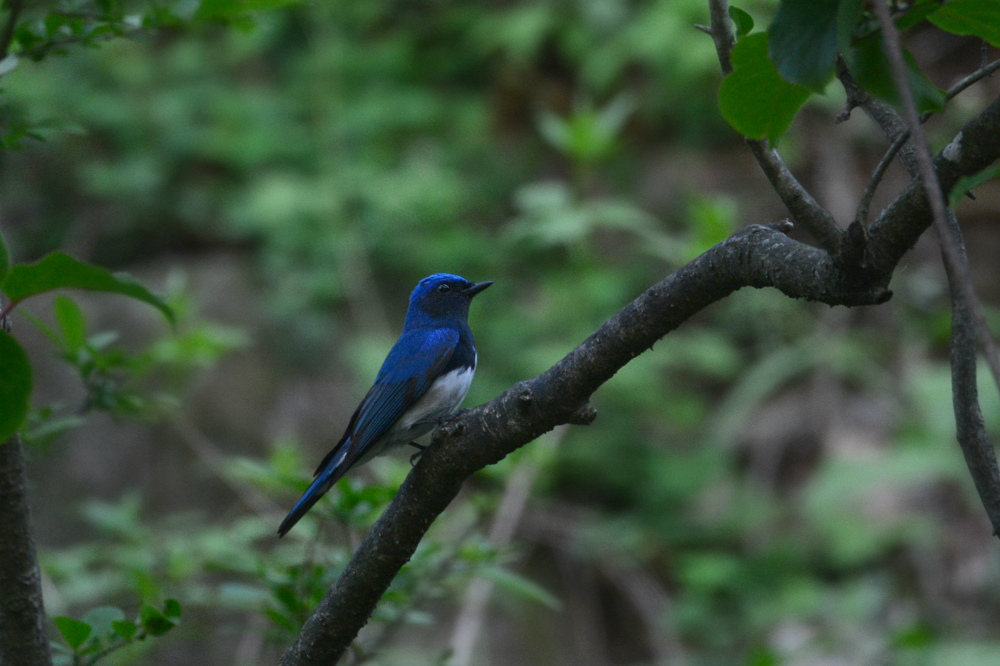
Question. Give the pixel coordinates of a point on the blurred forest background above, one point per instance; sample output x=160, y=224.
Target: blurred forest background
x=777, y=482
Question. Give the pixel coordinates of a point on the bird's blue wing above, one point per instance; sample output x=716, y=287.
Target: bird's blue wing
x=408, y=371
x=412, y=365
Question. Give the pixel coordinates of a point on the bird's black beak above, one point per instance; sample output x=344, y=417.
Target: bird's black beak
x=474, y=289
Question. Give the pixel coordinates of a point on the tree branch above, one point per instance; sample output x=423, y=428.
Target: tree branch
x=757, y=256
x=903, y=221
x=800, y=204
x=892, y=126
x=977, y=448
x=23, y=637
x=958, y=268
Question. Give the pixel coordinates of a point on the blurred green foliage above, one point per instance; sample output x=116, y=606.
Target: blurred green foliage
x=350, y=148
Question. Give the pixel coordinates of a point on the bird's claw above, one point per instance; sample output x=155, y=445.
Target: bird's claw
x=416, y=456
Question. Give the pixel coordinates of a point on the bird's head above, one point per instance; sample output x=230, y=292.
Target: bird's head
x=443, y=295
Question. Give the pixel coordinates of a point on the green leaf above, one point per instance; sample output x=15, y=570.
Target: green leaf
x=742, y=21
x=868, y=62
x=968, y=183
x=970, y=17
x=102, y=619
x=803, y=42
x=125, y=628
x=74, y=631
x=15, y=389
x=71, y=323
x=172, y=608
x=754, y=99
x=521, y=586
x=154, y=622
x=915, y=13
x=61, y=271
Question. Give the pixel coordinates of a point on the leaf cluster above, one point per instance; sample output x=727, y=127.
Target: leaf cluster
x=58, y=271
x=775, y=72
x=106, y=629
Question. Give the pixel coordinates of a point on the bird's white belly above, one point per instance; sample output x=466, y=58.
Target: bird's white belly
x=442, y=398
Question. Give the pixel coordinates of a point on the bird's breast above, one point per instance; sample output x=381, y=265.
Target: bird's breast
x=443, y=397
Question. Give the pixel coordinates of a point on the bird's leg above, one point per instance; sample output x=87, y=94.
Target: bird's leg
x=416, y=456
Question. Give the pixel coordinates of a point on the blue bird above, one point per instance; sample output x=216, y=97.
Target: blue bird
x=423, y=379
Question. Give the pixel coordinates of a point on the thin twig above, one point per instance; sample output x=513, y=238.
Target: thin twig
x=936, y=199
x=883, y=114
x=866, y=197
x=976, y=76
x=800, y=204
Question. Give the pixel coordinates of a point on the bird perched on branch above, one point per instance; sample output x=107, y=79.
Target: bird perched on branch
x=423, y=379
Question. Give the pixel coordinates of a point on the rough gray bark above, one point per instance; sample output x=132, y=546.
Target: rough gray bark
x=23, y=639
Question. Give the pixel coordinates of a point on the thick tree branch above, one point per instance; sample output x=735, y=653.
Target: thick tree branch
x=800, y=204
x=23, y=637
x=757, y=256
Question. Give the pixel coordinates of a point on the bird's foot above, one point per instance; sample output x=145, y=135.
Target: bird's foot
x=416, y=456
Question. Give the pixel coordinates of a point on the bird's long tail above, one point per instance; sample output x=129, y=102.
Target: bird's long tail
x=323, y=482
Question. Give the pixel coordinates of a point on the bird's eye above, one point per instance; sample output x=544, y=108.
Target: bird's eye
x=444, y=288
